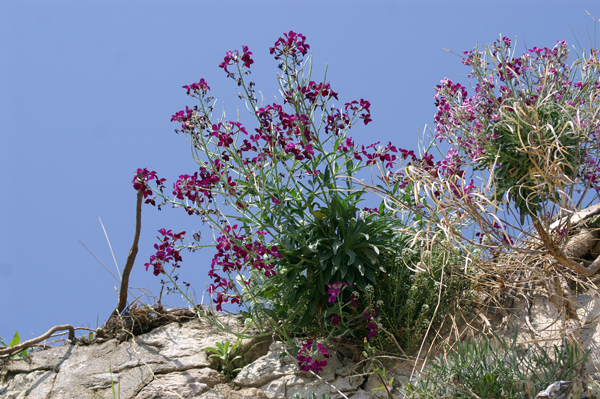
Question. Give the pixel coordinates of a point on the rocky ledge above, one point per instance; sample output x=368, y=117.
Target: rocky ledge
x=171, y=361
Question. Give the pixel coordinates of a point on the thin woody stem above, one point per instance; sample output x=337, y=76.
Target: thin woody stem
x=131, y=257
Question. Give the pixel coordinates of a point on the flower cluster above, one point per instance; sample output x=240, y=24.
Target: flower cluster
x=166, y=251
x=306, y=357
x=200, y=89
x=196, y=188
x=234, y=252
x=311, y=94
x=290, y=45
x=233, y=58
x=384, y=155
x=334, y=290
x=140, y=182
x=188, y=118
x=371, y=325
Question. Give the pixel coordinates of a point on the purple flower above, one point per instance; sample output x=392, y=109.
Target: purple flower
x=335, y=289
x=140, y=182
x=371, y=325
x=227, y=61
x=165, y=252
x=201, y=86
x=290, y=45
x=246, y=57
x=306, y=360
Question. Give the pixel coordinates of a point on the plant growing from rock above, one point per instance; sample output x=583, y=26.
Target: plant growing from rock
x=494, y=368
x=295, y=248
x=14, y=342
x=116, y=394
x=520, y=176
x=228, y=357
x=530, y=132
x=291, y=227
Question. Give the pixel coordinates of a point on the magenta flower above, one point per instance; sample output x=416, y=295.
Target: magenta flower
x=306, y=360
x=235, y=252
x=353, y=300
x=371, y=325
x=140, y=182
x=231, y=57
x=290, y=45
x=201, y=86
x=246, y=57
x=165, y=252
x=335, y=289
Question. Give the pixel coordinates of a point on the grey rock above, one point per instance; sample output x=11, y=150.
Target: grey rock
x=186, y=384
x=172, y=362
x=267, y=368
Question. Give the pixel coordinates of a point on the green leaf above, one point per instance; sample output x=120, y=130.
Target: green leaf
x=351, y=255
x=324, y=258
x=370, y=275
x=361, y=269
x=361, y=284
x=336, y=246
x=371, y=255
x=337, y=259
x=350, y=276
x=321, y=283
x=15, y=341
x=343, y=271
x=326, y=175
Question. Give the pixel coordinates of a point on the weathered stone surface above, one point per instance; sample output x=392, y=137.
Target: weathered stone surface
x=278, y=376
x=186, y=384
x=172, y=355
x=171, y=362
x=546, y=321
x=228, y=391
x=34, y=385
x=267, y=368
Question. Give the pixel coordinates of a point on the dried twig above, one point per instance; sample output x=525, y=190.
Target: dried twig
x=131, y=257
x=32, y=342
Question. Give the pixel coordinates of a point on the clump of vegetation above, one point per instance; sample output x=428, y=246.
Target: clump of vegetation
x=494, y=368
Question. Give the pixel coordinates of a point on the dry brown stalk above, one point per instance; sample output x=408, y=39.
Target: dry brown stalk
x=28, y=344
x=131, y=257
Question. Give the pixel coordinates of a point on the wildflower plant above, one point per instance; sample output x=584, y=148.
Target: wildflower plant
x=228, y=357
x=523, y=147
x=293, y=248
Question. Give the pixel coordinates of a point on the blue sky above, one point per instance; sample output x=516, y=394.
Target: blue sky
x=87, y=90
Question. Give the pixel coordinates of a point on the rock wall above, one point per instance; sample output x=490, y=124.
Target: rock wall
x=171, y=362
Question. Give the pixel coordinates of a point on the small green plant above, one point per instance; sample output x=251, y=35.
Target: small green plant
x=14, y=342
x=228, y=356
x=378, y=369
x=115, y=394
x=495, y=369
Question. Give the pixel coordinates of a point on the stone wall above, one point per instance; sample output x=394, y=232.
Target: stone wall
x=171, y=362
